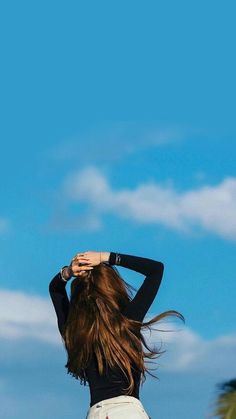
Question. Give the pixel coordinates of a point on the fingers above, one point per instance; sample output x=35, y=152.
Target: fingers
x=83, y=260
x=83, y=254
x=81, y=273
x=83, y=263
x=83, y=268
x=78, y=257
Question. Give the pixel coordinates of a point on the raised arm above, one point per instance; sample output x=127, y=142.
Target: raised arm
x=58, y=294
x=57, y=290
x=153, y=270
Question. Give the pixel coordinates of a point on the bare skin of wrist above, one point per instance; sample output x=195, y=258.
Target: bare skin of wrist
x=105, y=256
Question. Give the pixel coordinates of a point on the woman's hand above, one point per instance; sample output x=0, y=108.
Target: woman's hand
x=90, y=258
x=78, y=269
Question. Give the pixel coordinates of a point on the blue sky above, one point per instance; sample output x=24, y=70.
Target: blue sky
x=118, y=134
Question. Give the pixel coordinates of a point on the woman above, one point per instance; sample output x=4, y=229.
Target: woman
x=101, y=328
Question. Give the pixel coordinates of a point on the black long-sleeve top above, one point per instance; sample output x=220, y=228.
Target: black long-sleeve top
x=107, y=386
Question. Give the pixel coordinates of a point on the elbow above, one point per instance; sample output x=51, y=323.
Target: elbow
x=158, y=269
x=51, y=286
x=161, y=268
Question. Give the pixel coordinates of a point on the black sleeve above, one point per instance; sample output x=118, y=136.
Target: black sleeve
x=58, y=294
x=153, y=270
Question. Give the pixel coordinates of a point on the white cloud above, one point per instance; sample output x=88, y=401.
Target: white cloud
x=210, y=207
x=23, y=315
x=188, y=351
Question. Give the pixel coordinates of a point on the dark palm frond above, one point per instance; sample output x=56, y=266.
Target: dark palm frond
x=225, y=406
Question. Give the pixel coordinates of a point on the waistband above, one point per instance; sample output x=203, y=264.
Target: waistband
x=116, y=400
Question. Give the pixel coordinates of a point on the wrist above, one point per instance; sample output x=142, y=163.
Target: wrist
x=115, y=258
x=66, y=272
x=105, y=256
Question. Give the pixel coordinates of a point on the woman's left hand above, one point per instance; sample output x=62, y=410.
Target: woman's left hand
x=77, y=268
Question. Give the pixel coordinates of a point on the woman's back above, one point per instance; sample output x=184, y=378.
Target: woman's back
x=111, y=382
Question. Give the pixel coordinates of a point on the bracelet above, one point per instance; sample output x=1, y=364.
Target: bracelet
x=61, y=272
x=118, y=259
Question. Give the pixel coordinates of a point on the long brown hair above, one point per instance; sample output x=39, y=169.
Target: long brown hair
x=95, y=323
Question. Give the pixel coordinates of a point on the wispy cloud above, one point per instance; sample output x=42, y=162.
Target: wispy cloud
x=188, y=351
x=82, y=222
x=115, y=141
x=211, y=208
x=33, y=317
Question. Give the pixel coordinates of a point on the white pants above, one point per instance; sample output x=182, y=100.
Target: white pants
x=120, y=407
